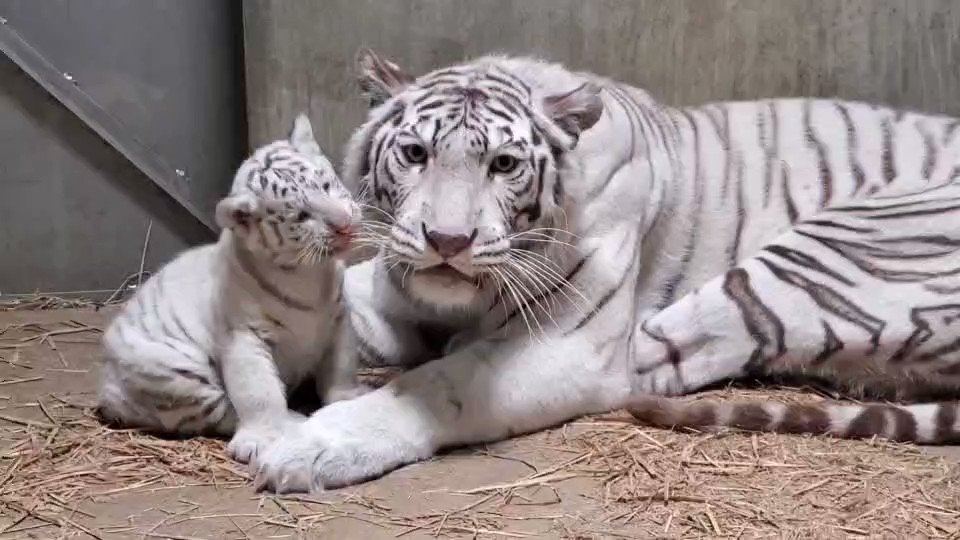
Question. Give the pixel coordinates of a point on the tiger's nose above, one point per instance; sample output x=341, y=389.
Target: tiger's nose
x=448, y=243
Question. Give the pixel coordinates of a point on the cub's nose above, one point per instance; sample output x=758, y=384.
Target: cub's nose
x=448, y=243
x=340, y=222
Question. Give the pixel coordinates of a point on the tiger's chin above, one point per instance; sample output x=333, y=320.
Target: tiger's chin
x=444, y=287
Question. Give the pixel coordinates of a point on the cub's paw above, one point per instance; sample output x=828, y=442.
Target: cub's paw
x=252, y=440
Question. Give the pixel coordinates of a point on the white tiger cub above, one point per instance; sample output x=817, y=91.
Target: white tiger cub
x=211, y=342
x=649, y=250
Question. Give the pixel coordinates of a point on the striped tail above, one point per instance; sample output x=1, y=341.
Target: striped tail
x=925, y=423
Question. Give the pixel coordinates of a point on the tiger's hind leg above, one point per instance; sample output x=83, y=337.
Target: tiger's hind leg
x=744, y=324
x=767, y=318
x=168, y=387
x=865, y=297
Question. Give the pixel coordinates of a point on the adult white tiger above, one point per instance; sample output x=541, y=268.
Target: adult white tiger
x=212, y=341
x=522, y=195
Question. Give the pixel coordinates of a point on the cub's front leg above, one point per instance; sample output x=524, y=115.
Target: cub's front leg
x=337, y=375
x=256, y=393
x=481, y=392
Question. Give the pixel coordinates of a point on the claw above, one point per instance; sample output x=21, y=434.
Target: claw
x=260, y=482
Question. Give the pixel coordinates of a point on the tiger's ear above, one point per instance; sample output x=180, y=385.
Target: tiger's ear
x=236, y=211
x=301, y=136
x=380, y=79
x=575, y=111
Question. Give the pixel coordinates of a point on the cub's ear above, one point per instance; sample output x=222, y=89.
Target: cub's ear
x=575, y=111
x=236, y=211
x=379, y=79
x=301, y=136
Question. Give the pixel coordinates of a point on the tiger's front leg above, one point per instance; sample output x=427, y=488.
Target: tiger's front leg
x=481, y=392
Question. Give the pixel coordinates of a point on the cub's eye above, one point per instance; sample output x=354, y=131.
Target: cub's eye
x=302, y=216
x=504, y=163
x=414, y=153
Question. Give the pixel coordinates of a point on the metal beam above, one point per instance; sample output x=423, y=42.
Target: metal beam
x=63, y=86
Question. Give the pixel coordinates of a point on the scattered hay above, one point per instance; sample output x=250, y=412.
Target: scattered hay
x=651, y=483
x=45, y=301
x=55, y=467
x=756, y=485
x=41, y=302
x=597, y=477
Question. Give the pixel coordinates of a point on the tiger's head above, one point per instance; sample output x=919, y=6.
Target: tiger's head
x=465, y=166
x=287, y=202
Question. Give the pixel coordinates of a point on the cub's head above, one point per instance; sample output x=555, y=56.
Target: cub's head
x=288, y=203
x=466, y=167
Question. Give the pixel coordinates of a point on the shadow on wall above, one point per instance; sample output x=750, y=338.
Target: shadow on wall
x=73, y=211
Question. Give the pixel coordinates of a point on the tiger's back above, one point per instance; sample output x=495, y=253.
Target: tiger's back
x=752, y=170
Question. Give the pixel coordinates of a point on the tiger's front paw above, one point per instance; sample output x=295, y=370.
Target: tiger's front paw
x=342, y=444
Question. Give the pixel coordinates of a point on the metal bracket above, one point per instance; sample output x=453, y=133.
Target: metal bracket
x=65, y=88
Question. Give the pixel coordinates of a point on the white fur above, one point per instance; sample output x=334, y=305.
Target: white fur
x=654, y=216
x=212, y=342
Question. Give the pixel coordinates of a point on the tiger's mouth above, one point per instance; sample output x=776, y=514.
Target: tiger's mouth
x=341, y=242
x=447, y=273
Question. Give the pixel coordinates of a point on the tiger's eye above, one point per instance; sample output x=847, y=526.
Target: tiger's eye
x=504, y=163
x=302, y=216
x=414, y=153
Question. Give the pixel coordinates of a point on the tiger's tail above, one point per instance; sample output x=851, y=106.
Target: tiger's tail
x=923, y=423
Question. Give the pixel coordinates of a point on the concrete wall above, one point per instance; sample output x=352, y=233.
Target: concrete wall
x=149, y=106
x=73, y=211
x=899, y=52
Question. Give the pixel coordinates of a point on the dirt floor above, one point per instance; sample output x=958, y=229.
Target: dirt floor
x=63, y=475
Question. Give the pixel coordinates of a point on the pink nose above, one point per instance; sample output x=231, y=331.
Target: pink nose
x=448, y=244
x=341, y=222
